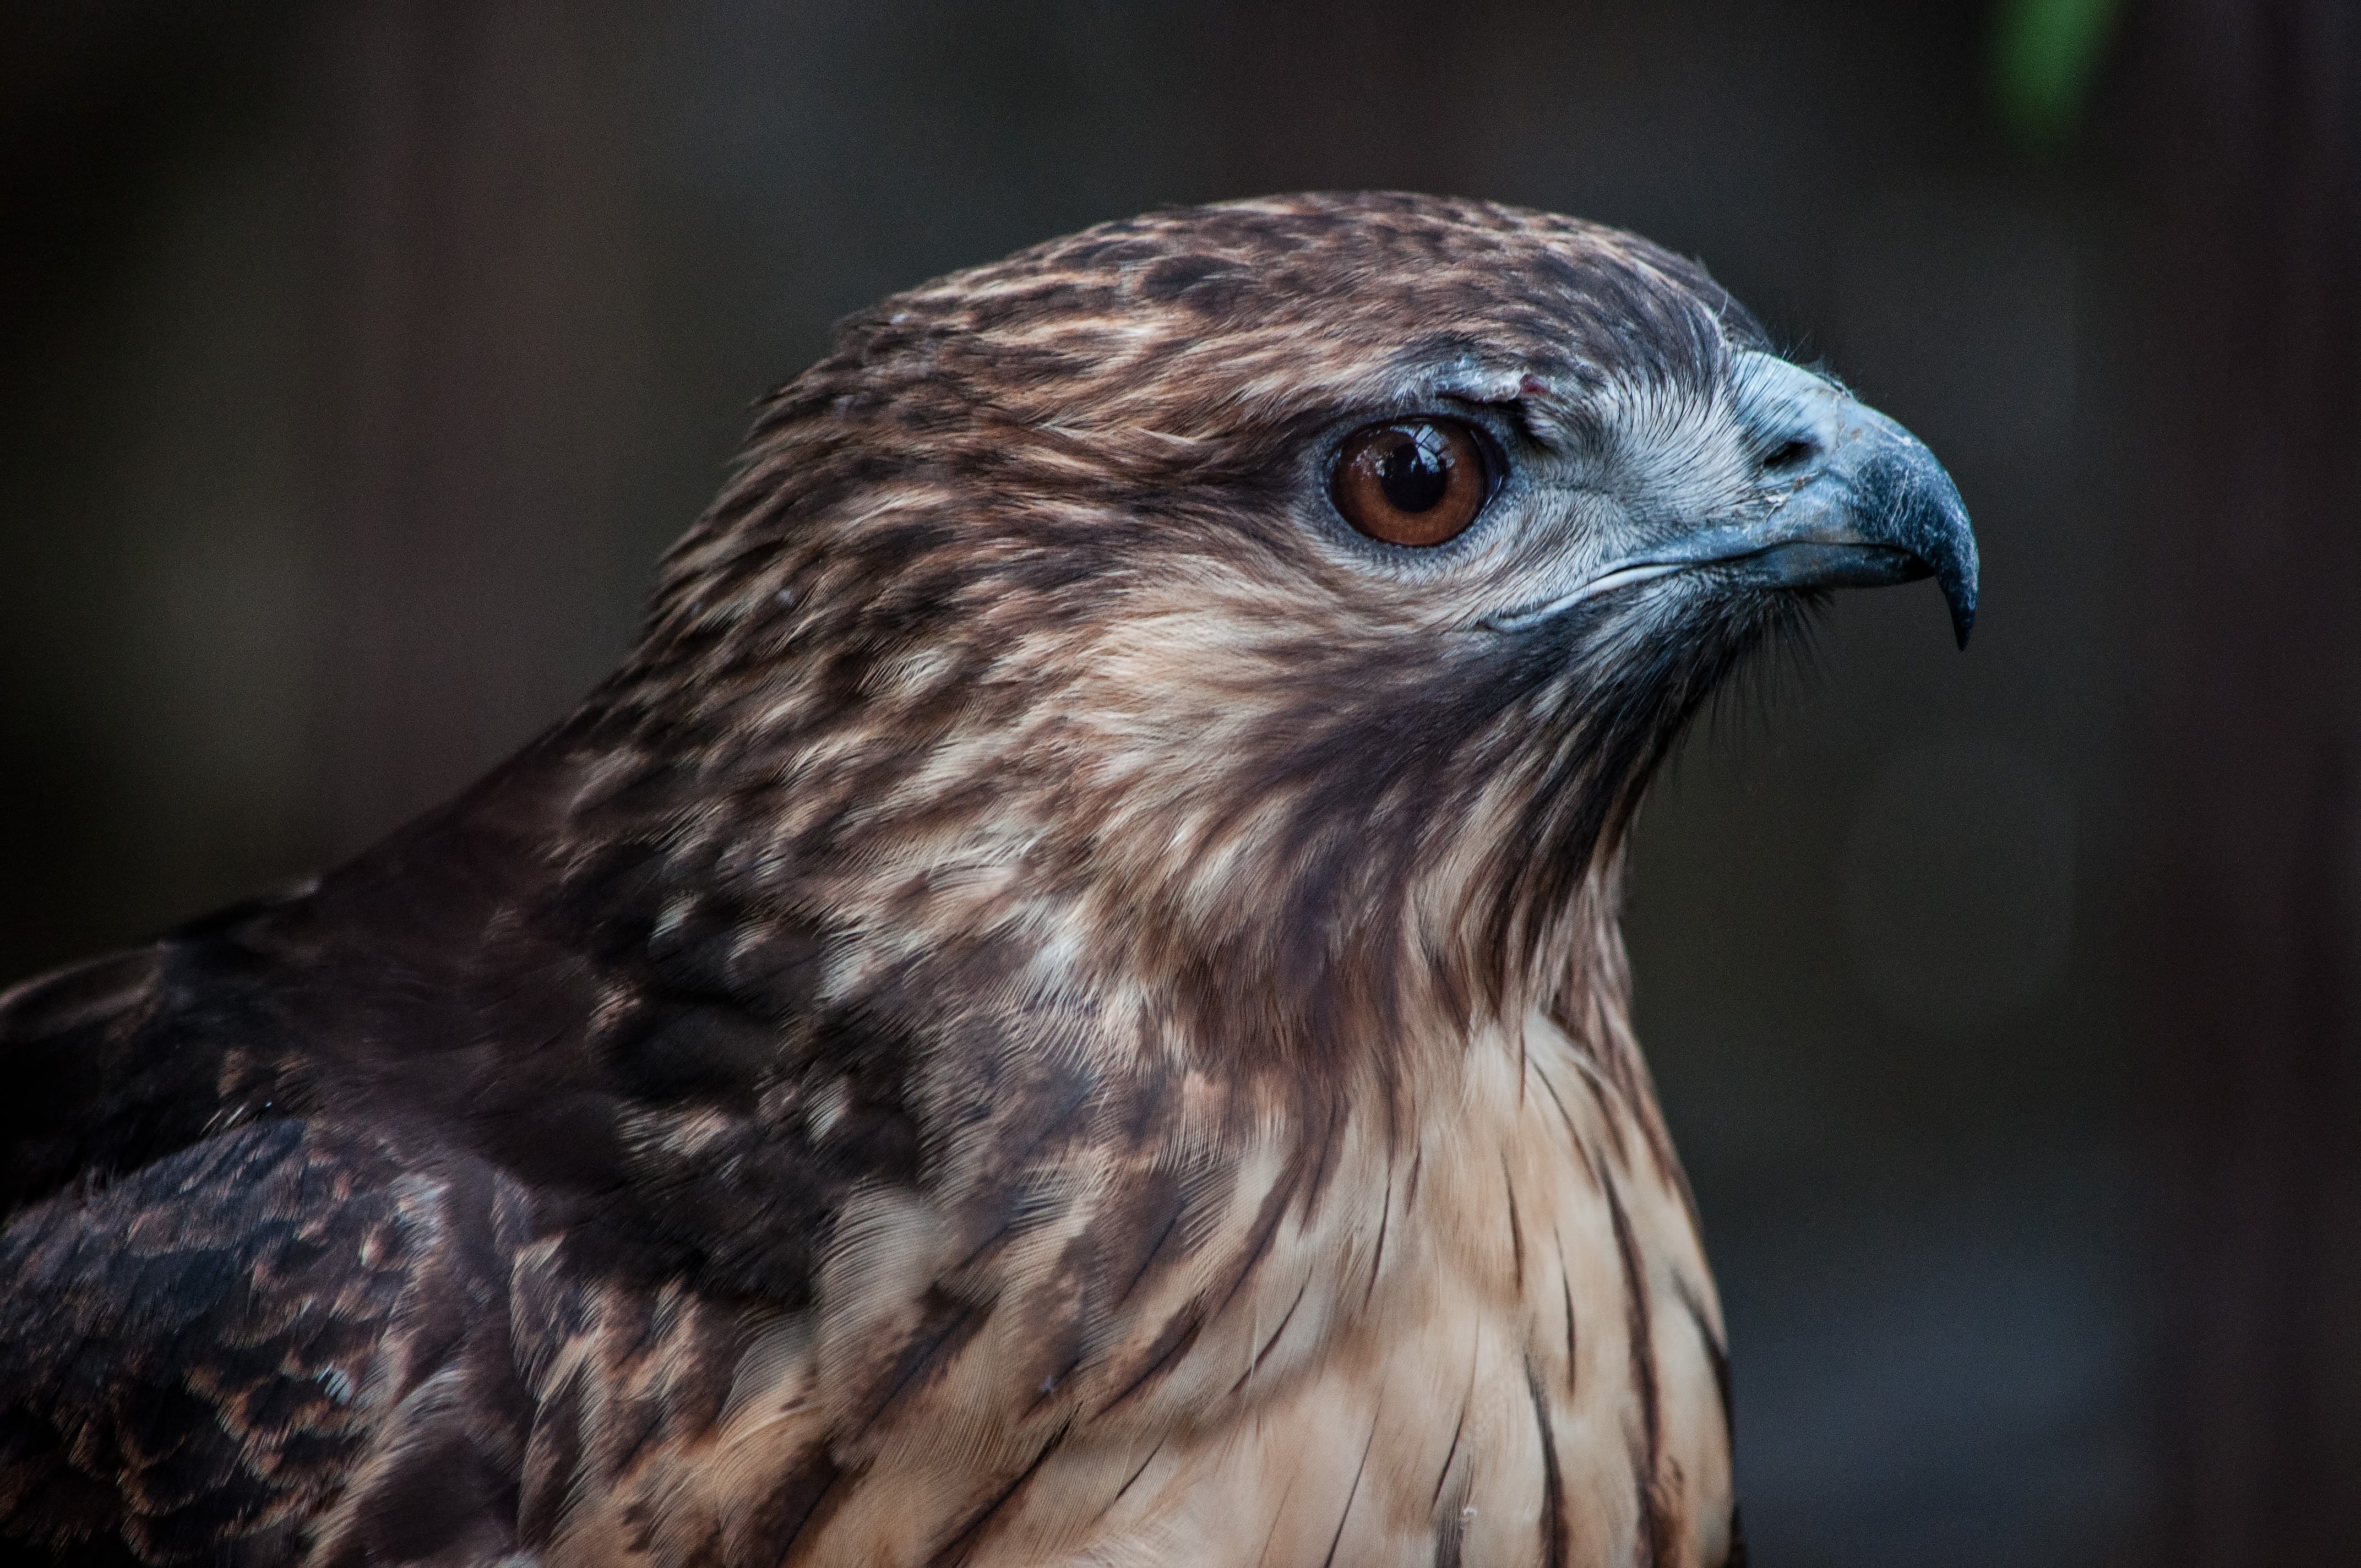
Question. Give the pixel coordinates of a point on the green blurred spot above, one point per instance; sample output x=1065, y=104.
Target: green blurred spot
x=2044, y=55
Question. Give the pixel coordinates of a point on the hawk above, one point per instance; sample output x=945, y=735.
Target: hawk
x=1063, y=1005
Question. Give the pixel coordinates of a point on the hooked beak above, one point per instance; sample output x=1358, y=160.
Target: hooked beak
x=1868, y=505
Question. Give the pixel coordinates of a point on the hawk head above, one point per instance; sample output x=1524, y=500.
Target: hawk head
x=1258, y=619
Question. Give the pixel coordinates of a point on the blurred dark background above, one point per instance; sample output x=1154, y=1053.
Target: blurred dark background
x=357, y=360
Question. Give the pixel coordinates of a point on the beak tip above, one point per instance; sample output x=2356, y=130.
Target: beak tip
x=1952, y=553
x=1940, y=534
x=1902, y=497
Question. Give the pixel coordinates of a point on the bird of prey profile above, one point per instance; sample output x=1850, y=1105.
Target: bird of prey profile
x=1063, y=1006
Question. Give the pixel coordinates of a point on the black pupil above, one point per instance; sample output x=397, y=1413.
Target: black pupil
x=1413, y=471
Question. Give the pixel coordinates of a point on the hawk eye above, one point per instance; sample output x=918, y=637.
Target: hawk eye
x=1414, y=481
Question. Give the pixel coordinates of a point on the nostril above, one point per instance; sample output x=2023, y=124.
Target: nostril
x=1793, y=453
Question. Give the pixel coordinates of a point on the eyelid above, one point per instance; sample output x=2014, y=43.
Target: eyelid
x=1515, y=409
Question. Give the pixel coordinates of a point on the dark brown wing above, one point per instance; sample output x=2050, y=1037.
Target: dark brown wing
x=118, y=1061
x=184, y=1350
x=221, y=1284
x=265, y=1185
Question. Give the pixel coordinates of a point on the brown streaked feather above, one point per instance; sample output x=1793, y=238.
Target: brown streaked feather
x=1553, y=1530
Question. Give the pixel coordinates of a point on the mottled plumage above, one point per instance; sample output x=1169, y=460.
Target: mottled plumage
x=1062, y=1005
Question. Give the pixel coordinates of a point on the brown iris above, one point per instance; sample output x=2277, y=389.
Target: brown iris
x=1412, y=481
